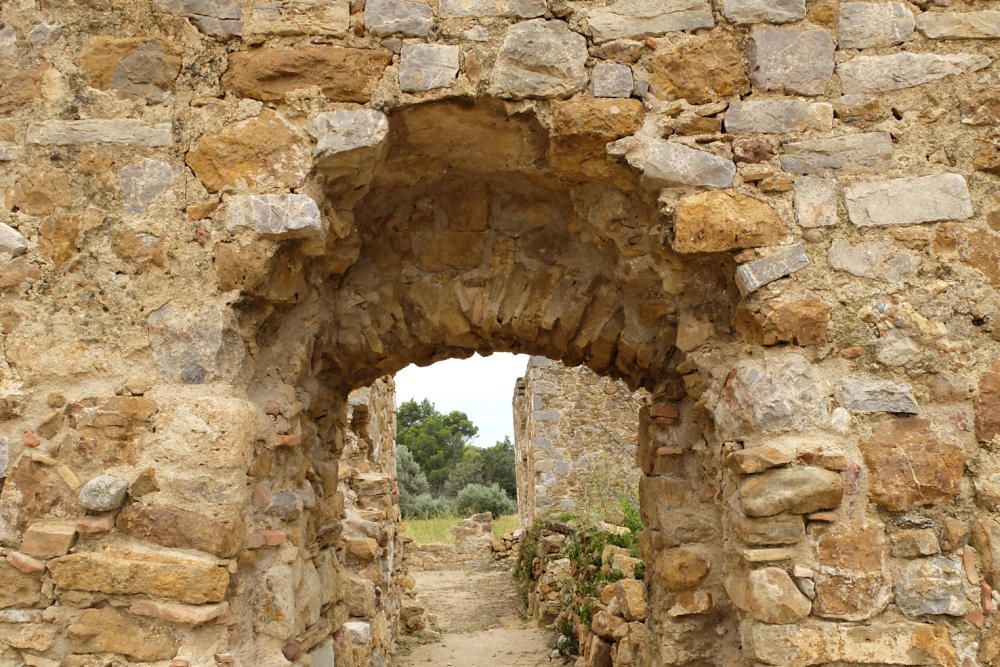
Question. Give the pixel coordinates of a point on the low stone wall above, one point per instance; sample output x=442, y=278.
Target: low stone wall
x=471, y=550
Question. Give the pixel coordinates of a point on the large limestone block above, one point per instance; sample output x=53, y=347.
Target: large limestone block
x=717, y=221
x=908, y=201
x=299, y=17
x=664, y=163
x=961, y=25
x=774, y=598
x=428, y=66
x=866, y=25
x=910, y=464
x=342, y=74
x=764, y=11
x=135, y=67
x=870, y=152
x=879, y=74
x=797, y=60
x=931, y=586
x=540, y=59
x=257, y=154
x=701, y=70
x=115, y=631
x=798, y=490
x=385, y=17
x=778, y=116
x=158, y=574
x=640, y=18
x=820, y=642
x=120, y=131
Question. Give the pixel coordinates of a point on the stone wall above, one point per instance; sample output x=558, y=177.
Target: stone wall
x=575, y=441
x=221, y=217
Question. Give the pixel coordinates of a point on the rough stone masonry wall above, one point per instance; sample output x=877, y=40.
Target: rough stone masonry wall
x=574, y=439
x=221, y=217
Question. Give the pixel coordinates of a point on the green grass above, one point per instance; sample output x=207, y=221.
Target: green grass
x=427, y=531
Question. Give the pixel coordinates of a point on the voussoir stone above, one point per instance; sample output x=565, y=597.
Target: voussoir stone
x=103, y=493
x=877, y=74
x=764, y=11
x=386, y=17
x=799, y=60
x=700, y=70
x=343, y=74
x=774, y=597
x=348, y=130
x=960, y=25
x=778, y=116
x=640, y=18
x=427, y=66
x=849, y=154
x=664, y=163
x=927, y=198
x=717, y=221
x=540, y=59
x=872, y=24
x=798, y=490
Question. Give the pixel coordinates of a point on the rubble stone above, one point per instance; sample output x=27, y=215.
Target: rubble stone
x=960, y=25
x=777, y=264
x=933, y=198
x=774, y=598
x=386, y=17
x=778, y=116
x=701, y=70
x=764, y=11
x=931, y=586
x=716, y=221
x=848, y=154
x=103, y=493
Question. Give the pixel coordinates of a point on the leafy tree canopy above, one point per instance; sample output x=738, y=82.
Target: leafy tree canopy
x=436, y=441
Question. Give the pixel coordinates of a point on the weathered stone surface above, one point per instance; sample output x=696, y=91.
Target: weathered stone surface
x=386, y=17
x=800, y=321
x=262, y=153
x=851, y=582
x=778, y=116
x=427, y=66
x=19, y=87
x=849, y=154
x=524, y=9
x=135, y=67
x=911, y=465
x=820, y=642
x=871, y=395
x=987, y=407
x=960, y=25
x=18, y=589
x=639, y=18
x=680, y=569
x=612, y=80
x=798, y=490
x=343, y=131
x=928, y=199
x=631, y=597
x=49, y=538
x=12, y=242
x=299, y=17
x=915, y=542
x=114, y=631
x=278, y=216
x=771, y=531
x=878, y=74
x=122, y=131
x=876, y=260
x=143, y=183
x=700, y=70
x=931, y=586
x=797, y=60
x=777, y=264
x=540, y=59
x=664, y=163
x=179, y=613
x=872, y=24
x=182, y=529
x=816, y=200
x=774, y=598
x=764, y=11
x=103, y=493
x=31, y=636
x=342, y=74
x=717, y=221
x=4, y=457
x=42, y=191
x=220, y=18
x=159, y=574
x=194, y=345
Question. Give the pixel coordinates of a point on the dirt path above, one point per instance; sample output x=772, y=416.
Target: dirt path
x=477, y=614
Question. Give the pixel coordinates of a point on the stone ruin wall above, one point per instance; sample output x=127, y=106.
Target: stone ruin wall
x=575, y=437
x=219, y=218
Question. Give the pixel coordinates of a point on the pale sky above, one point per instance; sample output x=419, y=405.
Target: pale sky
x=481, y=387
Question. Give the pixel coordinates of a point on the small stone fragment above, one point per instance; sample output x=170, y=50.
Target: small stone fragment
x=778, y=116
x=928, y=199
x=281, y=216
x=103, y=493
x=774, y=597
x=717, y=221
x=866, y=25
x=387, y=17
x=848, y=154
x=427, y=66
x=878, y=74
x=798, y=60
x=540, y=59
x=960, y=25
x=612, y=80
x=641, y=18
x=777, y=264
x=870, y=395
x=49, y=539
x=931, y=586
x=798, y=490
x=764, y=11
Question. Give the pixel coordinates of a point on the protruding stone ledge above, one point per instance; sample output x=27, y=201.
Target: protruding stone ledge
x=664, y=163
x=122, y=131
x=777, y=264
x=279, y=216
x=908, y=201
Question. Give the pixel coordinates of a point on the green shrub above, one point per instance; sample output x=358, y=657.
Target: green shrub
x=423, y=506
x=475, y=498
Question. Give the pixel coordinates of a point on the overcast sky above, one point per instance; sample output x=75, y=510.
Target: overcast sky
x=481, y=387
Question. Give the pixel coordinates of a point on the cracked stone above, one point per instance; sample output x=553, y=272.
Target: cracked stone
x=219, y=18
x=280, y=216
x=343, y=131
x=931, y=586
x=872, y=395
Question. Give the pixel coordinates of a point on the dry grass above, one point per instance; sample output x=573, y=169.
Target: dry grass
x=427, y=531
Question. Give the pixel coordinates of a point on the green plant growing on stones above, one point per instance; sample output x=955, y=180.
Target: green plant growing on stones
x=475, y=498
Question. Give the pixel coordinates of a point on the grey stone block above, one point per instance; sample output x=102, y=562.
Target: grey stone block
x=764, y=11
x=427, y=66
x=799, y=60
x=122, y=131
x=778, y=116
x=612, y=80
x=908, y=201
x=849, y=154
x=640, y=18
x=387, y=17
x=877, y=74
x=871, y=24
x=777, y=264
x=280, y=216
x=540, y=59
x=872, y=395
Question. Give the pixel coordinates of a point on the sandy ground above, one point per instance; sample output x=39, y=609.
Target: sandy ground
x=477, y=614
